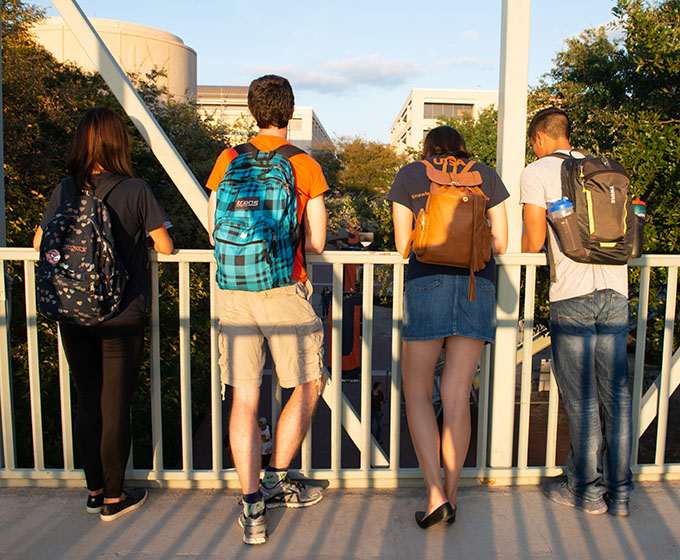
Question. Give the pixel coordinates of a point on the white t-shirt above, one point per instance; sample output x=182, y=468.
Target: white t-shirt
x=541, y=182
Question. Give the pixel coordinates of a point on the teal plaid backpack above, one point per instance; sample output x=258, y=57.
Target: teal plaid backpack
x=256, y=227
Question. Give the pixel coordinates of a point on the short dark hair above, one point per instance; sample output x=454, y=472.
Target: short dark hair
x=444, y=141
x=271, y=101
x=553, y=121
x=376, y=384
x=101, y=139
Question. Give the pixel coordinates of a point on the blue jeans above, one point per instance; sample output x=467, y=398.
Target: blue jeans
x=591, y=367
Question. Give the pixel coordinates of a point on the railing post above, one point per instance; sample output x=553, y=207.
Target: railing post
x=512, y=111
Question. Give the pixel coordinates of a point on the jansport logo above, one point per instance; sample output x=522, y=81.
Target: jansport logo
x=74, y=248
x=252, y=203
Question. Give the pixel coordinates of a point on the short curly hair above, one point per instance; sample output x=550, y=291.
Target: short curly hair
x=271, y=101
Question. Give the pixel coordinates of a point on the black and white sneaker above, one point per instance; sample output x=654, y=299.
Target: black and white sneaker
x=94, y=503
x=291, y=493
x=254, y=527
x=134, y=498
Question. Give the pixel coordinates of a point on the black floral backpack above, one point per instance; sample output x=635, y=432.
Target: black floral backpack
x=80, y=278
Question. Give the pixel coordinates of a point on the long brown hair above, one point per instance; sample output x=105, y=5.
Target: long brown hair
x=444, y=141
x=101, y=139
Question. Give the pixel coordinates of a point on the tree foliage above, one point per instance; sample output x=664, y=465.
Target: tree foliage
x=43, y=101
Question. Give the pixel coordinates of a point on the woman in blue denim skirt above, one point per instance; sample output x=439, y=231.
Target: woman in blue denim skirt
x=438, y=313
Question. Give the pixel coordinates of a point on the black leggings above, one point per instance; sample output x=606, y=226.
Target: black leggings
x=104, y=363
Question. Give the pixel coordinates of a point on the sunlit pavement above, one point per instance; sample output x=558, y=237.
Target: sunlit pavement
x=507, y=522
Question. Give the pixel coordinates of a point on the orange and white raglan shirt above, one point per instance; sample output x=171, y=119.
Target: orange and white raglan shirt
x=309, y=182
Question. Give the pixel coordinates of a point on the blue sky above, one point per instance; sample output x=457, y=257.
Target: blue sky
x=354, y=62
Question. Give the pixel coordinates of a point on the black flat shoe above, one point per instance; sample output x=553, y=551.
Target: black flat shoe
x=443, y=514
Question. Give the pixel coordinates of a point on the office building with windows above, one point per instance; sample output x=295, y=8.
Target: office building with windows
x=424, y=107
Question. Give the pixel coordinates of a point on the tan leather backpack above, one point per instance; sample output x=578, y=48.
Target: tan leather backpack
x=452, y=230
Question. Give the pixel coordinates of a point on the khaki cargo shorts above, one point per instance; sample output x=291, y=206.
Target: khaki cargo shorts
x=284, y=318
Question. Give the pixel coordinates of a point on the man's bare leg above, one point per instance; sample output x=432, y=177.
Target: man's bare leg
x=278, y=489
x=244, y=437
x=293, y=423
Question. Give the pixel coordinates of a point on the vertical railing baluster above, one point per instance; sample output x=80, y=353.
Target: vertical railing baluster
x=8, y=459
x=215, y=378
x=336, y=369
x=483, y=407
x=306, y=447
x=65, y=400
x=155, y=373
x=640, y=343
x=395, y=385
x=527, y=355
x=366, y=366
x=185, y=367
x=666, y=357
x=33, y=365
x=551, y=432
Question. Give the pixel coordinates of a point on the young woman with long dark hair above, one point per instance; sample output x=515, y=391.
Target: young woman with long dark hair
x=104, y=360
x=438, y=313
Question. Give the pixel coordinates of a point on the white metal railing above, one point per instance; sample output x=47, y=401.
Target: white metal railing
x=376, y=468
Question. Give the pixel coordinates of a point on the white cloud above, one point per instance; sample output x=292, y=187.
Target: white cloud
x=469, y=35
x=371, y=69
x=467, y=61
x=339, y=75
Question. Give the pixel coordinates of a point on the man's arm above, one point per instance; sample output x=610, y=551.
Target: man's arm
x=315, y=225
x=533, y=237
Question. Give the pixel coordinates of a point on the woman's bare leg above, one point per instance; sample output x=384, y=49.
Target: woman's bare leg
x=462, y=356
x=418, y=361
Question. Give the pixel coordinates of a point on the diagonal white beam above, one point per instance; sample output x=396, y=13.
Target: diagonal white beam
x=136, y=109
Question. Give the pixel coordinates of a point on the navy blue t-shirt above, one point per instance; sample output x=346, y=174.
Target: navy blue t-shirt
x=134, y=211
x=411, y=188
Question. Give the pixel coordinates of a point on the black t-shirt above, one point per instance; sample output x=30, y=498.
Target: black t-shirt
x=411, y=188
x=134, y=211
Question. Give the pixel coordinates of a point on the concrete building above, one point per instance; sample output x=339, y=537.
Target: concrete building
x=424, y=106
x=137, y=48
x=228, y=104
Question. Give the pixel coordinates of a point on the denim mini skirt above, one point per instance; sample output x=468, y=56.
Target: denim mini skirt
x=437, y=306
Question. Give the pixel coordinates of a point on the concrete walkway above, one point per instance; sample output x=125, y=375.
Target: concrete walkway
x=508, y=523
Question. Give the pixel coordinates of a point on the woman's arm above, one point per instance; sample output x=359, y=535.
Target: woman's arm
x=402, y=218
x=37, y=238
x=162, y=242
x=498, y=218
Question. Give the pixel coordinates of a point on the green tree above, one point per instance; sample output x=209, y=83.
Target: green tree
x=480, y=134
x=43, y=101
x=620, y=85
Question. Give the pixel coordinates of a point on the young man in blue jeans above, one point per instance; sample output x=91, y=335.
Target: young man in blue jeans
x=588, y=329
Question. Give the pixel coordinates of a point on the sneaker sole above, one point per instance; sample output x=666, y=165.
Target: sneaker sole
x=124, y=511
x=94, y=510
x=252, y=540
x=600, y=511
x=293, y=505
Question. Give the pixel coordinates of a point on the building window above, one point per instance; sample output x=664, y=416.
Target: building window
x=295, y=125
x=446, y=110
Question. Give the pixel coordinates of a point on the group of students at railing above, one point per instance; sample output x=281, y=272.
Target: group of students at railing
x=447, y=306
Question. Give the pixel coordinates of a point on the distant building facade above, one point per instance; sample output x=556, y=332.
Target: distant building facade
x=228, y=104
x=137, y=48
x=424, y=106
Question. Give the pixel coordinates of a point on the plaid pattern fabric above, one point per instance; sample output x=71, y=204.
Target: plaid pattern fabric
x=256, y=228
x=80, y=280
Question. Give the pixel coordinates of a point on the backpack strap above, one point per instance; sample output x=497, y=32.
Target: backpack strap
x=246, y=148
x=288, y=151
x=106, y=186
